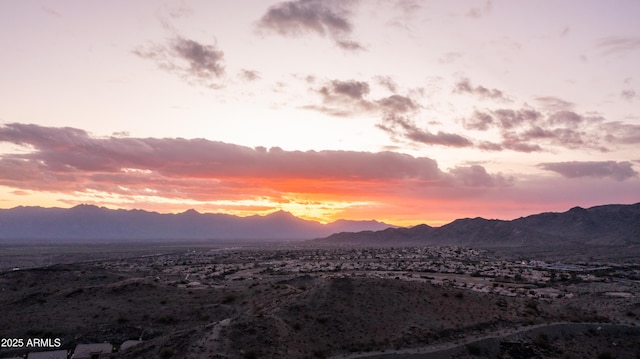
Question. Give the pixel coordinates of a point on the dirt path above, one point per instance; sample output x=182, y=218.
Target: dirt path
x=460, y=342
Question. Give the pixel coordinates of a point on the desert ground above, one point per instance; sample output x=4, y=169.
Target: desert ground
x=299, y=301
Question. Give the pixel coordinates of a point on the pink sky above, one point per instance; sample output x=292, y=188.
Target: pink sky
x=402, y=111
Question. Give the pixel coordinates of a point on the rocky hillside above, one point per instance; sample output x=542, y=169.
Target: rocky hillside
x=601, y=225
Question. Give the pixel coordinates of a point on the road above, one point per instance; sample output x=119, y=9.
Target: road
x=460, y=342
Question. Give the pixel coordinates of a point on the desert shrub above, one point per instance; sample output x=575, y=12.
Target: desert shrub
x=166, y=319
x=474, y=349
x=542, y=341
x=228, y=299
x=166, y=353
x=532, y=304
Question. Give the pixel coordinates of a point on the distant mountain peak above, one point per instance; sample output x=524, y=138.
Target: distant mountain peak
x=86, y=207
x=281, y=214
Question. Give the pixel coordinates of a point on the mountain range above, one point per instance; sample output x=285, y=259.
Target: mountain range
x=91, y=223
x=600, y=225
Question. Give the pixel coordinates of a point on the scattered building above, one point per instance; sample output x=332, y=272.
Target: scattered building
x=54, y=354
x=92, y=351
x=128, y=344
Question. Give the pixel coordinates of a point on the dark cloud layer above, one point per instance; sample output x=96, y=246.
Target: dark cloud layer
x=617, y=170
x=71, y=160
x=300, y=17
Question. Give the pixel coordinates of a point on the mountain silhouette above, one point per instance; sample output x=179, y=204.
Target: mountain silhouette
x=600, y=225
x=88, y=222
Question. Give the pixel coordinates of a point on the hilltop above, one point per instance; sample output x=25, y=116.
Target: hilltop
x=601, y=225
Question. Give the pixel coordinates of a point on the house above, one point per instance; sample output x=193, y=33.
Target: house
x=92, y=351
x=54, y=354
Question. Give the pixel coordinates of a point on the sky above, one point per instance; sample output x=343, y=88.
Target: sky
x=401, y=111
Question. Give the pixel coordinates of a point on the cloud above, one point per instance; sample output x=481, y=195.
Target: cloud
x=478, y=121
x=408, y=6
x=464, y=86
x=349, y=98
x=191, y=60
x=70, y=160
x=567, y=119
x=489, y=146
x=508, y=119
x=528, y=130
x=403, y=13
x=50, y=11
x=397, y=104
x=301, y=17
x=554, y=104
x=477, y=176
x=620, y=133
x=518, y=145
x=171, y=173
x=619, y=171
x=503, y=119
x=628, y=94
x=478, y=12
x=449, y=58
x=203, y=60
x=387, y=82
x=397, y=125
x=249, y=75
x=615, y=45
x=353, y=89
x=344, y=98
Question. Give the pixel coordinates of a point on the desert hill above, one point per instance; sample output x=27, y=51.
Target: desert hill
x=601, y=225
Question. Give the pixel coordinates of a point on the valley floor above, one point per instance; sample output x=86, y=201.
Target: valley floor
x=295, y=301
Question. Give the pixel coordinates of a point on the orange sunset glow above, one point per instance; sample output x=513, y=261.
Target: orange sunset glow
x=400, y=111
